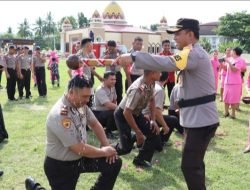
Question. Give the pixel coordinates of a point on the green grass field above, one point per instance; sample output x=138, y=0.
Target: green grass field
x=22, y=155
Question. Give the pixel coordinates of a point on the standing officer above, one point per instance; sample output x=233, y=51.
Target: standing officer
x=131, y=72
x=11, y=74
x=113, y=53
x=68, y=153
x=105, y=103
x=128, y=115
x=24, y=73
x=39, y=71
x=196, y=97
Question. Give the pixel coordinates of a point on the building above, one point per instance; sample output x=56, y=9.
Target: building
x=207, y=31
x=112, y=25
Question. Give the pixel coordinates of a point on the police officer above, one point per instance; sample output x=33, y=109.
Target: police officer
x=198, y=112
x=113, y=53
x=133, y=73
x=11, y=64
x=105, y=103
x=128, y=116
x=68, y=153
x=24, y=73
x=87, y=53
x=168, y=123
x=39, y=71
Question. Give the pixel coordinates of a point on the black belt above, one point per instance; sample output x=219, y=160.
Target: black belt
x=196, y=101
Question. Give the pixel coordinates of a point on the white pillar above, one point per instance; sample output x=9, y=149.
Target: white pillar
x=62, y=42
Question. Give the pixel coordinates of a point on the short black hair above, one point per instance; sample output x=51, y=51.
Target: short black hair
x=238, y=51
x=165, y=41
x=85, y=41
x=53, y=59
x=108, y=73
x=111, y=43
x=138, y=38
x=164, y=76
x=196, y=33
x=12, y=47
x=80, y=81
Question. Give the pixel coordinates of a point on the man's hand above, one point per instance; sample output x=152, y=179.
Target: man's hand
x=124, y=60
x=7, y=75
x=110, y=154
x=154, y=127
x=139, y=138
x=165, y=130
x=20, y=76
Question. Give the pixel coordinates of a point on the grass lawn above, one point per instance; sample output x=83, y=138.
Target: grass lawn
x=22, y=155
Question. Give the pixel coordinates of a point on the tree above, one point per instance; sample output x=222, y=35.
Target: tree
x=153, y=27
x=229, y=44
x=82, y=20
x=236, y=26
x=205, y=44
x=9, y=30
x=24, y=29
x=72, y=20
x=39, y=27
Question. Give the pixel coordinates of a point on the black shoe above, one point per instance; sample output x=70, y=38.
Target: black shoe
x=1, y=173
x=141, y=163
x=31, y=184
x=58, y=85
x=14, y=99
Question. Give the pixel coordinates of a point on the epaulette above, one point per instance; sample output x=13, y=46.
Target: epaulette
x=142, y=87
x=64, y=110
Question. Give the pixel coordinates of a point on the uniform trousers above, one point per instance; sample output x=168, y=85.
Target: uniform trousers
x=106, y=118
x=151, y=143
x=41, y=81
x=11, y=83
x=173, y=123
x=24, y=83
x=63, y=175
x=195, y=145
x=118, y=86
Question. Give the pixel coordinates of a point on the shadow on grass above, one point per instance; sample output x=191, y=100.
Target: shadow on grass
x=157, y=177
x=2, y=144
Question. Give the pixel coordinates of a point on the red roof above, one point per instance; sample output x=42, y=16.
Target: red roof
x=126, y=28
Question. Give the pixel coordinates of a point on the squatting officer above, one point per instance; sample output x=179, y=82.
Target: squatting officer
x=68, y=153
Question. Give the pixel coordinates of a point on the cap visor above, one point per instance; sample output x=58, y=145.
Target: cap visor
x=173, y=30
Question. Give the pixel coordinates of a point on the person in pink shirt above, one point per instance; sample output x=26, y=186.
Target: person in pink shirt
x=216, y=66
x=223, y=72
x=233, y=82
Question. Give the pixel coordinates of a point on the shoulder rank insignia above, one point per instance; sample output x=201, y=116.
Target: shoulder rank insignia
x=142, y=87
x=66, y=122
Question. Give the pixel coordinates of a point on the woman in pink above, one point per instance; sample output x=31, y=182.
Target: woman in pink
x=216, y=66
x=233, y=82
x=223, y=72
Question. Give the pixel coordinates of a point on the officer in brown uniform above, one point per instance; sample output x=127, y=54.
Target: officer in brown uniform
x=128, y=116
x=24, y=73
x=11, y=74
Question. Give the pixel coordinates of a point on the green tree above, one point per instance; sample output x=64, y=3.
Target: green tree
x=72, y=21
x=82, y=20
x=24, y=30
x=229, y=44
x=9, y=31
x=236, y=26
x=39, y=27
x=205, y=44
x=153, y=27
x=49, y=30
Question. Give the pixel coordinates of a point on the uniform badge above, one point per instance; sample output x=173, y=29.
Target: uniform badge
x=66, y=122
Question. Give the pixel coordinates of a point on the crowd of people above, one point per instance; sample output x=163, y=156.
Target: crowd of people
x=135, y=119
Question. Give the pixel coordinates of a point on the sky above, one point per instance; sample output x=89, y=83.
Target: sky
x=137, y=13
